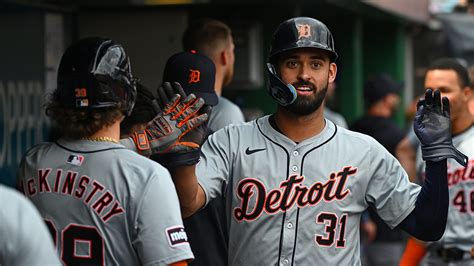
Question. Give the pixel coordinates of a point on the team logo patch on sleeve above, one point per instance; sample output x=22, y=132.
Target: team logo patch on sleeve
x=75, y=159
x=176, y=236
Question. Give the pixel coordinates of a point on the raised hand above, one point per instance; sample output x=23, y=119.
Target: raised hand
x=432, y=126
x=178, y=116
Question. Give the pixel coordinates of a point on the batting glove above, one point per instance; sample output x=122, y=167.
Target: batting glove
x=432, y=126
x=187, y=151
x=164, y=132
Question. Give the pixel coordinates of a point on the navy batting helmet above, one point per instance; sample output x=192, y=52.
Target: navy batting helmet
x=295, y=33
x=95, y=73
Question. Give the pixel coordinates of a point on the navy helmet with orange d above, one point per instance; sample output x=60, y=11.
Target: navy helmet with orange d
x=295, y=33
x=95, y=73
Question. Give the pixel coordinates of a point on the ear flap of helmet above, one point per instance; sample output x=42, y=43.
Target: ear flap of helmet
x=284, y=94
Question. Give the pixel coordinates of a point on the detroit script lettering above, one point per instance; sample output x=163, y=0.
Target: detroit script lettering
x=290, y=192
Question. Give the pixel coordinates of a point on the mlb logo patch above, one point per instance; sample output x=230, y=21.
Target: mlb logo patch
x=75, y=159
x=176, y=236
x=82, y=102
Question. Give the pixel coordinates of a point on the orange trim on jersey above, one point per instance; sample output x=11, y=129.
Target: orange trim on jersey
x=414, y=252
x=180, y=263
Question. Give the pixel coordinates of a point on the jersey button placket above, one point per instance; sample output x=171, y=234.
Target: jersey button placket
x=290, y=217
x=294, y=160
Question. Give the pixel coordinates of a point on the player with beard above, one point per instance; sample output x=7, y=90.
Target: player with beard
x=295, y=184
x=309, y=98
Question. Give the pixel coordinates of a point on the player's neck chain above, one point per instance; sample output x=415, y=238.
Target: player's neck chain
x=102, y=139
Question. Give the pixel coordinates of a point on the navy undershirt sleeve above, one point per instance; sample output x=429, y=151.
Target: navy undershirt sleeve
x=427, y=221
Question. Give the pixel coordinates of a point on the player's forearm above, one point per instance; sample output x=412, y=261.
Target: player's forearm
x=427, y=221
x=190, y=193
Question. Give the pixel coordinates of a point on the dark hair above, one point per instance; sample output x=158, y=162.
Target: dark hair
x=470, y=71
x=452, y=64
x=146, y=108
x=73, y=123
x=206, y=36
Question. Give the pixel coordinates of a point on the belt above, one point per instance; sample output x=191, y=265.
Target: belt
x=453, y=254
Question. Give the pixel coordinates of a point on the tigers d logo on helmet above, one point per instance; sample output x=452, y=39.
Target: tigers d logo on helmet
x=304, y=31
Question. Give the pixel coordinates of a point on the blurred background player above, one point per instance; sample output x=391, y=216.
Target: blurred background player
x=196, y=74
x=382, y=99
x=207, y=229
x=25, y=239
x=471, y=77
x=103, y=204
x=456, y=247
x=334, y=116
x=213, y=39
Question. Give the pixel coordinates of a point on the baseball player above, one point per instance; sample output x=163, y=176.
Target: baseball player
x=104, y=204
x=456, y=247
x=213, y=38
x=25, y=239
x=295, y=184
x=196, y=73
x=331, y=115
x=207, y=229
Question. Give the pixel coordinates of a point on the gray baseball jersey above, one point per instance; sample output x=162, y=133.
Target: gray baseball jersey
x=207, y=229
x=300, y=203
x=335, y=117
x=225, y=113
x=105, y=204
x=24, y=238
x=460, y=225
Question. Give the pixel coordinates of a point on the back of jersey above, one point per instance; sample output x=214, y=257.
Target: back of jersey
x=104, y=204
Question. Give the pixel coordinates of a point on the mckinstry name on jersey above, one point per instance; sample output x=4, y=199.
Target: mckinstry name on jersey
x=72, y=184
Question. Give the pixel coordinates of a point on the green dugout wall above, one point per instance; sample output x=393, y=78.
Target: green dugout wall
x=368, y=41
x=367, y=47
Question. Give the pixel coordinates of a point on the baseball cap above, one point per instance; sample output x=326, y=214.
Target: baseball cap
x=195, y=72
x=378, y=86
